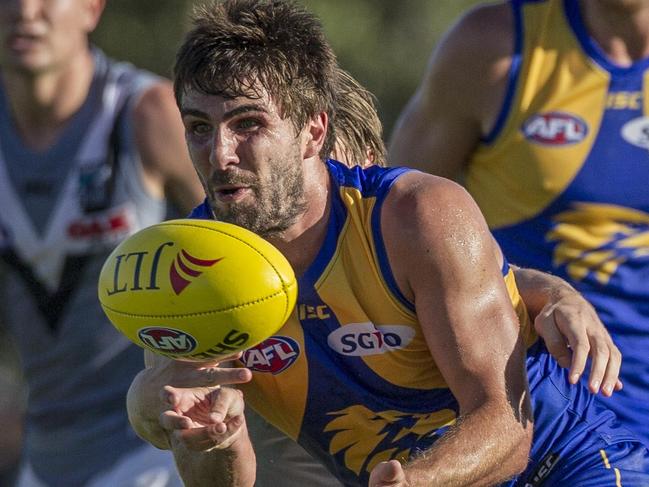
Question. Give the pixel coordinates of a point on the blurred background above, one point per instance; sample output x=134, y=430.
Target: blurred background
x=385, y=44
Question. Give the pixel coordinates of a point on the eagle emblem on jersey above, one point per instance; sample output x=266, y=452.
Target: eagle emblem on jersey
x=596, y=239
x=367, y=437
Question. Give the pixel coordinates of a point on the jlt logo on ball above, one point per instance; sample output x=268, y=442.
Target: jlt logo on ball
x=138, y=271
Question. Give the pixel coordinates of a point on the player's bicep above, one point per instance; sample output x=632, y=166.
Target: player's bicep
x=460, y=95
x=445, y=260
x=435, y=132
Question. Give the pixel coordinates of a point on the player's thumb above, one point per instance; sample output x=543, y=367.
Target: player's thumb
x=170, y=396
x=388, y=474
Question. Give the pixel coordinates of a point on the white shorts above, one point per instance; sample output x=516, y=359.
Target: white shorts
x=145, y=467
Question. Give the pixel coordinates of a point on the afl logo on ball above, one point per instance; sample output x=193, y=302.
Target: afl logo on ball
x=167, y=340
x=555, y=128
x=274, y=355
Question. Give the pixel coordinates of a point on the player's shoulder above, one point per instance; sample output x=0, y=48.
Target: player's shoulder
x=416, y=195
x=428, y=221
x=482, y=35
x=156, y=100
x=488, y=23
x=155, y=115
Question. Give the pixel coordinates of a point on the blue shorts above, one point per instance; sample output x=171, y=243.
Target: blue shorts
x=577, y=441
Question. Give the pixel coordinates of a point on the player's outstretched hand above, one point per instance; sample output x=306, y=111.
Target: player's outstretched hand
x=203, y=418
x=572, y=332
x=178, y=373
x=388, y=474
x=148, y=396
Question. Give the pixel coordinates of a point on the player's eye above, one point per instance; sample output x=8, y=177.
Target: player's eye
x=198, y=128
x=247, y=123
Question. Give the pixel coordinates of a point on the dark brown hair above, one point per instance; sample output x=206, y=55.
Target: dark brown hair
x=236, y=47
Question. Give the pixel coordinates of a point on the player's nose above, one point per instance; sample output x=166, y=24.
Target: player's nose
x=223, y=151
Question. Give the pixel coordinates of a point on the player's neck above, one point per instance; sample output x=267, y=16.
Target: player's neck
x=42, y=103
x=301, y=243
x=620, y=28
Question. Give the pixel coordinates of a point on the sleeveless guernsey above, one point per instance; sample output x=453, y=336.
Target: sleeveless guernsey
x=61, y=212
x=350, y=376
x=562, y=180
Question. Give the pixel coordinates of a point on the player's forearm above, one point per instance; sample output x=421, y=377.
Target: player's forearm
x=537, y=288
x=234, y=466
x=485, y=447
x=143, y=412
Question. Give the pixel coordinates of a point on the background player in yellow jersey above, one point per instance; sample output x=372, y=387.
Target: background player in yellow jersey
x=542, y=108
x=418, y=354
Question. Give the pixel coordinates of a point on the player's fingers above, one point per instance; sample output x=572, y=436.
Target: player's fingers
x=171, y=396
x=200, y=438
x=213, y=376
x=580, y=352
x=233, y=430
x=226, y=403
x=554, y=340
x=171, y=420
x=183, y=397
x=611, y=382
x=231, y=358
x=217, y=436
x=600, y=355
x=574, y=328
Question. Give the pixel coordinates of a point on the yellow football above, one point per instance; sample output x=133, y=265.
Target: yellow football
x=197, y=289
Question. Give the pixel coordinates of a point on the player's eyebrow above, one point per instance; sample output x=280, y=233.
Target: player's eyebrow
x=251, y=107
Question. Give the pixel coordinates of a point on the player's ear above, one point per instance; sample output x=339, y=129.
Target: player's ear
x=93, y=10
x=316, y=132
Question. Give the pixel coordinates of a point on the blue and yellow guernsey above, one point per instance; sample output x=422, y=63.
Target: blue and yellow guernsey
x=563, y=179
x=350, y=376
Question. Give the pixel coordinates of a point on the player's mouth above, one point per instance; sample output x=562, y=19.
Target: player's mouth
x=22, y=41
x=231, y=193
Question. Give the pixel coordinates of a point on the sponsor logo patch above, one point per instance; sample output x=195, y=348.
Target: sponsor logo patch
x=273, y=355
x=112, y=224
x=636, y=132
x=167, y=340
x=358, y=339
x=555, y=128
